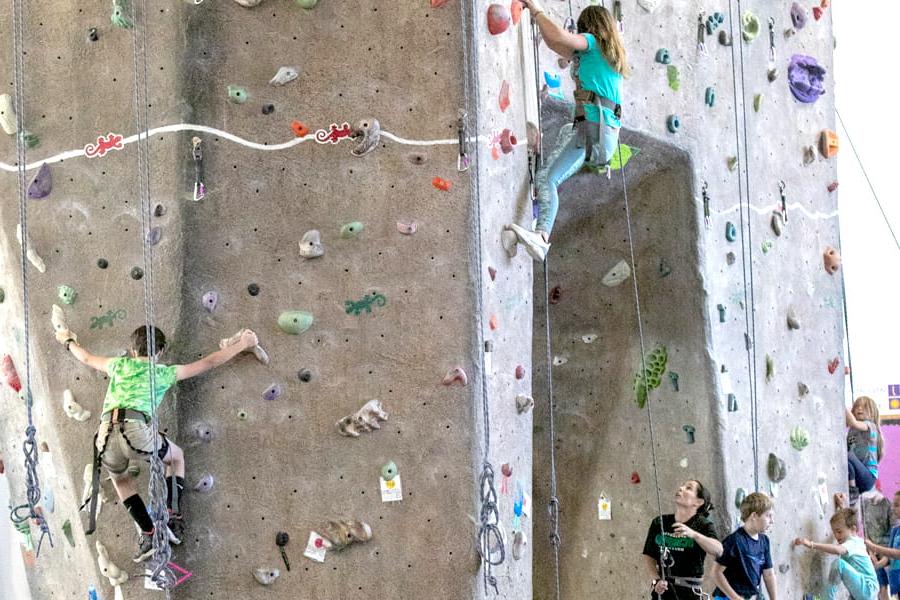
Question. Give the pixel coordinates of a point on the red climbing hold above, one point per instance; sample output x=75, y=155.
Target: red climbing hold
x=817, y=12
x=508, y=141
x=833, y=364
x=832, y=186
x=456, y=375
x=10, y=374
x=498, y=19
x=441, y=184
x=504, y=96
x=520, y=372
x=635, y=478
x=300, y=130
x=515, y=10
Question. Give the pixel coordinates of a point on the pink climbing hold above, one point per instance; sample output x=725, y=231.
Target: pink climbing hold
x=520, y=372
x=493, y=323
x=833, y=364
x=455, y=375
x=504, y=96
x=407, y=228
x=508, y=141
x=498, y=19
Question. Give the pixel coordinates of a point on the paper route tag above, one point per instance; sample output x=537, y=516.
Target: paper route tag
x=391, y=491
x=315, y=547
x=604, y=510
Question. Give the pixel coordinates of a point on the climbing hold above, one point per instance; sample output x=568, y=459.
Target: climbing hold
x=524, y=403
x=757, y=102
x=265, y=575
x=828, y=143
x=730, y=231
x=635, y=478
x=559, y=361
x=777, y=223
x=119, y=16
x=41, y=184
x=438, y=3
x=798, y=16
x=242, y=415
x=766, y=246
x=515, y=10
x=520, y=372
x=770, y=368
x=93, y=36
x=364, y=304
x=367, y=134
x=285, y=75
x=66, y=294
x=407, y=228
x=518, y=545
x=455, y=375
x=237, y=94
x=832, y=260
x=673, y=123
x=154, y=234
x=739, y=496
x=204, y=484
x=307, y=4
x=340, y=534
x=2, y=295
x=273, y=392
x=498, y=19
x=504, y=95
x=304, y=375
x=492, y=273
x=367, y=418
x=749, y=26
x=772, y=74
x=650, y=376
x=30, y=140
x=662, y=56
x=137, y=273
x=204, y=432
x=509, y=240
x=268, y=109
x=67, y=531
x=295, y=322
x=351, y=230
x=672, y=76
x=673, y=379
x=802, y=389
x=806, y=78
x=776, y=469
x=210, y=300
x=710, y=96
x=721, y=308
x=589, y=338
x=508, y=141
x=833, y=365
x=689, y=431
x=732, y=403
x=36, y=261
x=74, y=410
x=108, y=569
x=253, y=289
x=618, y=274
x=732, y=163
x=389, y=471
x=817, y=12
x=832, y=186
x=58, y=319
x=311, y=244
x=799, y=438
x=7, y=114
x=299, y=129
x=555, y=295
x=493, y=323
x=664, y=269
x=792, y=321
x=48, y=500
x=724, y=38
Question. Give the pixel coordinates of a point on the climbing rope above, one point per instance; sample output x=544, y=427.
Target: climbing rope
x=162, y=551
x=746, y=249
x=29, y=446
x=490, y=541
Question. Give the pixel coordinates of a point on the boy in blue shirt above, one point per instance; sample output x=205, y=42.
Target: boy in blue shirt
x=746, y=559
x=893, y=551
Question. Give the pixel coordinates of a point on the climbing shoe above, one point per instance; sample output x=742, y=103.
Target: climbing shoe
x=145, y=548
x=533, y=242
x=176, y=529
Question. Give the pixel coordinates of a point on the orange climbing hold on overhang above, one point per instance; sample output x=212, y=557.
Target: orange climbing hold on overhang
x=300, y=130
x=441, y=184
x=828, y=143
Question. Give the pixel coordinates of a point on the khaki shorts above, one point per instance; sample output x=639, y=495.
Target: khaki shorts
x=119, y=443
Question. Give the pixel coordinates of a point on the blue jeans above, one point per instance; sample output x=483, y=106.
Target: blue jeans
x=859, y=587
x=865, y=481
x=568, y=156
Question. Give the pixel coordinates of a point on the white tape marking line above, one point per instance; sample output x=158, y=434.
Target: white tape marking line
x=762, y=210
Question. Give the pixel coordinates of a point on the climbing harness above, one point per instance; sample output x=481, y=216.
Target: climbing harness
x=490, y=544
x=22, y=513
x=582, y=97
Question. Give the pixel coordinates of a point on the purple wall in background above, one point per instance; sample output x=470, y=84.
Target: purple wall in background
x=889, y=468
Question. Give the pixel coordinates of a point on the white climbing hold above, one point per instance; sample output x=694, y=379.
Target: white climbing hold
x=7, y=114
x=115, y=575
x=617, y=274
x=257, y=350
x=519, y=543
x=284, y=75
x=683, y=463
x=407, y=228
x=367, y=418
x=311, y=244
x=590, y=338
x=265, y=575
x=33, y=256
x=649, y=5
x=559, y=360
x=58, y=318
x=73, y=409
x=524, y=403
x=249, y=3
x=510, y=242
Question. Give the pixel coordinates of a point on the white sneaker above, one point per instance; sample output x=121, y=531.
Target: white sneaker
x=533, y=241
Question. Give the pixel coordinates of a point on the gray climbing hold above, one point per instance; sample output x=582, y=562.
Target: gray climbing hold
x=237, y=94
x=273, y=392
x=770, y=368
x=154, y=235
x=204, y=484
x=518, y=545
x=739, y=496
x=367, y=134
x=777, y=223
x=724, y=38
x=351, y=230
x=48, y=502
x=772, y=74
x=210, y=300
x=673, y=379
x=802, y=388
x=66, y=294
x=42, y=183
x=509, y=241
x=304, y=375
x=732, y=403
x=524, y=403
x=265, y=575
x=689, y=431
x=776, y=468
x=285, y=75
x=295, y=322
x=311, y=244
x=792, y=321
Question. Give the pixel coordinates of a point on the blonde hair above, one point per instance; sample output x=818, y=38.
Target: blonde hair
x=872, y=408
x=845, y=517
x=598, y=21
x=758, y=503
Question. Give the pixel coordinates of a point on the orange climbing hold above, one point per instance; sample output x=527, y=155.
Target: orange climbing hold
x=441, y=184
x=493, y=323
x=438, y=3
x=828, y=143
x=10, y=374
x=515, y=11
x=300, y=130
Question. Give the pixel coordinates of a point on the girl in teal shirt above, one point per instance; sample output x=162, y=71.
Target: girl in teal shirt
x=599, y=66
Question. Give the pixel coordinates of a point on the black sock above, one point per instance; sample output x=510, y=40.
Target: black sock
x=139, y=513
x=179, y=481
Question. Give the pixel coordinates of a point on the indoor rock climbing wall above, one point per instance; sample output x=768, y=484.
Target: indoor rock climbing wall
x=392, y=298
x=688, y=271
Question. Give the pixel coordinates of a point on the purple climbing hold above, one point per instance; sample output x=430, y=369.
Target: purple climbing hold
x=806, y=78
x=154, y=235
x=42, y=183
x=210, y=300
x=273, y=392
x=798, y=16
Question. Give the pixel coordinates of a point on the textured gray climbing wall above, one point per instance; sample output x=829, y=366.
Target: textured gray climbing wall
x=602, y=436
x=392, y=303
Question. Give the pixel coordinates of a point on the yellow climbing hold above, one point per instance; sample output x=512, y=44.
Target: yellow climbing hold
x=749, y=26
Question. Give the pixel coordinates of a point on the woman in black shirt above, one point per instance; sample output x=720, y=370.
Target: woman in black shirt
x=684, y=540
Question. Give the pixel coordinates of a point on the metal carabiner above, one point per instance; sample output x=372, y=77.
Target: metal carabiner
x=781, y=187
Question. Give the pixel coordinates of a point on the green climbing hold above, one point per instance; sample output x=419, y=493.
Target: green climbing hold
x=757, y=102
x=651, y=377
x=799, y=438
x=767, y=245
x=389, y=471
x=620, y=158
x=66, y=294
x=295, y=322
x=67, y=531
x=307, y=4
x=30, y=140
x=770, y=368
x=237, y=94
x=739, y=496
x=121, y=14
x=351, y=230
x=730, y=231
x=749, y=26
x=2, y=295
x=710, y=96
x=732, y=162
x=672, y=75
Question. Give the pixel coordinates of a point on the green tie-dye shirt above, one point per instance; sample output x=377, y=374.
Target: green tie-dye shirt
x=129, y=384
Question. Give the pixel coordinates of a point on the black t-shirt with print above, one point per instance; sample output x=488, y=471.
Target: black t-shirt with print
x=687, y=554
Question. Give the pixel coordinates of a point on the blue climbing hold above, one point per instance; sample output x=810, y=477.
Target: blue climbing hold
x=663, y=57
x=710, y=96
x=673, y=123
x=730, y=231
